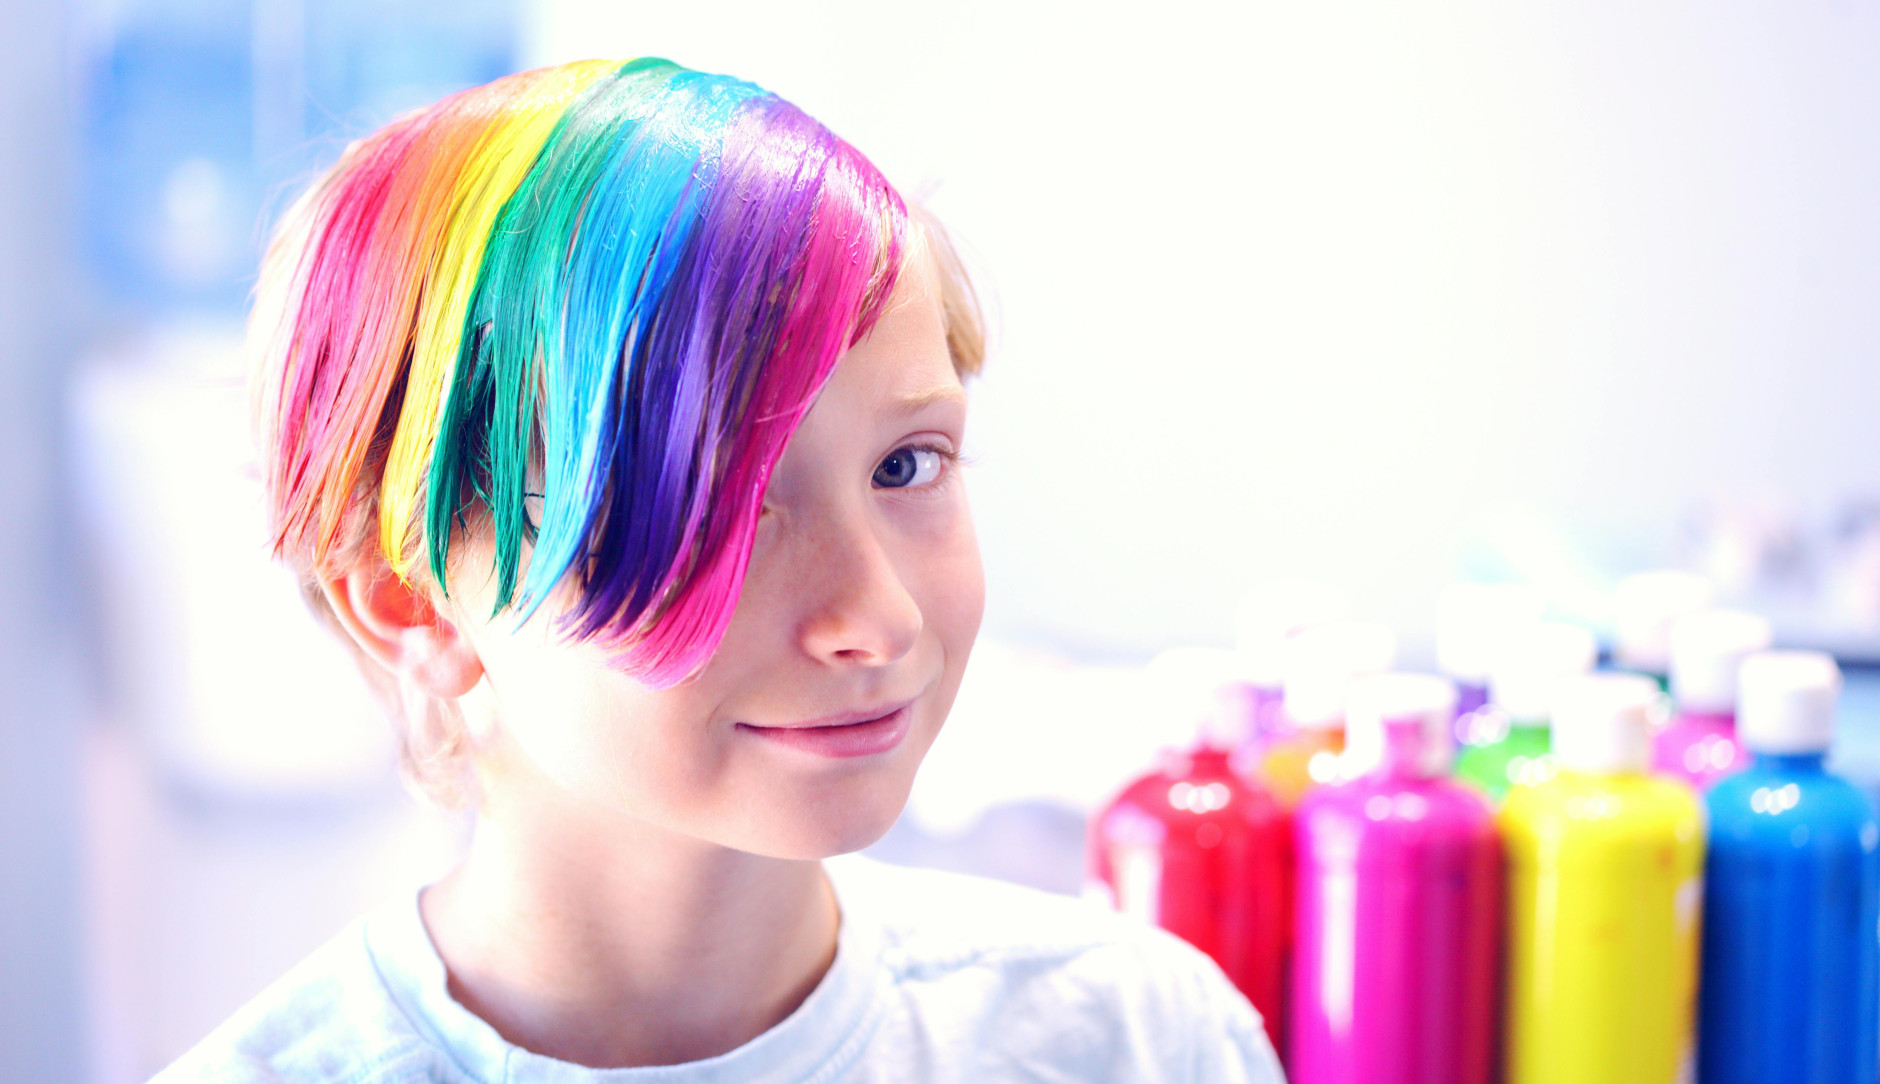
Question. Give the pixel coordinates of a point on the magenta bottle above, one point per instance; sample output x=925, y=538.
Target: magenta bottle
x=1707, y=650
x=1398, y=904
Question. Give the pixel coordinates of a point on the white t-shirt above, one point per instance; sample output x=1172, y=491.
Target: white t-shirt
x=937, y=977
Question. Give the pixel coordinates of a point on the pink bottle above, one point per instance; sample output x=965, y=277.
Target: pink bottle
x=1196, y=846
x=1398, y=913
x=1707, y=650
x=1200, y=850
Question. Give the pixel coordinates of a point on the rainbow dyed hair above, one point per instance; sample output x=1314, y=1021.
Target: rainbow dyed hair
x=588, y=305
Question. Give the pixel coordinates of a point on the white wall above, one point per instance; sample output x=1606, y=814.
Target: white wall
x=1344, y=290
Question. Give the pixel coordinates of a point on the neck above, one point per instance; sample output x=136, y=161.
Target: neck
x=602, y=940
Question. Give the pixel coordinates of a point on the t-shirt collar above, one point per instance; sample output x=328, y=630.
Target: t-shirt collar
x=817, y=1042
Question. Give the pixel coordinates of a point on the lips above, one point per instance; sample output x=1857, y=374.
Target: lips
x=853, y=734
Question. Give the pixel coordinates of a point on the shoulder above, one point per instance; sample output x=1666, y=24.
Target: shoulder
x=328, y=1019
x=1042, y=971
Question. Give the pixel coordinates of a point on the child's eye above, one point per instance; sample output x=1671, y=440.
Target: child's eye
x=905, y=468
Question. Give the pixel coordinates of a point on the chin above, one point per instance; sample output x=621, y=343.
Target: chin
x=838, y=821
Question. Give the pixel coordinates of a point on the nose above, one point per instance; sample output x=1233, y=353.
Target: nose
x=861, y=613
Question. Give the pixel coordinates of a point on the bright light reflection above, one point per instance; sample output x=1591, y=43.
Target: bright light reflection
x=1202, y=799
x=1323, y=767
x=1593, y=806
x=1530, y=771
x=1775, y=800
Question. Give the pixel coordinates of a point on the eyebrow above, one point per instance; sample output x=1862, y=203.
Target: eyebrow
x=919, y=401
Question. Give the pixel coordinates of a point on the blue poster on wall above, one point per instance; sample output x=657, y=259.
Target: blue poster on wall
x=203, y=118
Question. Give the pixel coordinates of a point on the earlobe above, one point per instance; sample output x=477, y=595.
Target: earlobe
x=400, y=628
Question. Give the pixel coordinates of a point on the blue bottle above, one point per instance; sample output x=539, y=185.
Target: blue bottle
x=1790, y=989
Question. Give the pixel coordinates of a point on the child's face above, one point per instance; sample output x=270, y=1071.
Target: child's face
x=863, y=596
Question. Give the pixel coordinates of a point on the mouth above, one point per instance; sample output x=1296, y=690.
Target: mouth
x=852, y=734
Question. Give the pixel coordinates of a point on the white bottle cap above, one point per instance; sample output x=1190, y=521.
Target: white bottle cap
x=1383, y=700
x=1534, y=663
x=1707, y=649
x=1644, y=607
x=1323, y=660
x=1473, y=621
x=1603, y=723
x=1190, y=688
x=1786, y=701
x=1273, y=613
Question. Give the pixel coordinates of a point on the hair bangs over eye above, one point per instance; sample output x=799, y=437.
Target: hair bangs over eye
x=659, y=304
x=582, y=309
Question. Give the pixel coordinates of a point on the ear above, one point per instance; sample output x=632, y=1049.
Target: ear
x=398, y=626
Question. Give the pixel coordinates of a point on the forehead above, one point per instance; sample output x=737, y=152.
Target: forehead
x=903, y=361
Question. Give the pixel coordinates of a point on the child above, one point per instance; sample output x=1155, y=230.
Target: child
x=612, y=412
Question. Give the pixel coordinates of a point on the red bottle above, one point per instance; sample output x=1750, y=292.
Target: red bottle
x=1201, y=850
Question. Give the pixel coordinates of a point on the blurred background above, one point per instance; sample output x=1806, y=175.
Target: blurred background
x=1377, y=296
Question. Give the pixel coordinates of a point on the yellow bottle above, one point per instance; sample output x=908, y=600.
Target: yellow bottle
x=1605, y=868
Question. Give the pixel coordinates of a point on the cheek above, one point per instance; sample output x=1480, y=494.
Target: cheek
x=759, y=633
x=568, y=717
x=950, y=586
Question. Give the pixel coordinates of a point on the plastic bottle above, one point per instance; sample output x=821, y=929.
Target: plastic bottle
x=1270, y=615
x=1604, y=900
x=1321, y=663
x=1645, y=607
x=1792, y=914
x=1397, y=924
x=1200, y=849
x=1509, y=743
x=1707, y=648
x=1473, y=621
